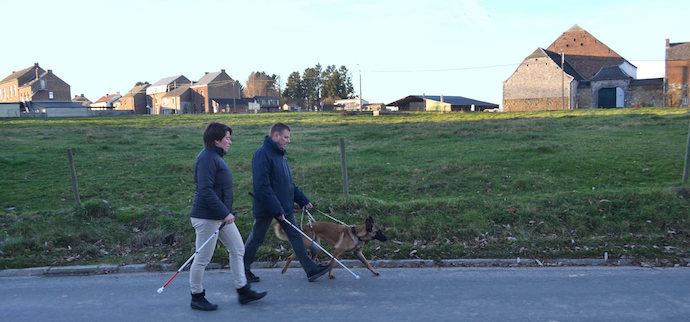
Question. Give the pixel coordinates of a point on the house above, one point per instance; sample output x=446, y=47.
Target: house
x=177, y=101
x=374, y=107
x=264, y=104
x=106, y=101
x=164, y=94
x=213, y=86
x=33, y=84
x=677, y=73
x=578, y=71
x=229, y=105
x=352, y=104
x=291, y=107
x=135, y=100
x=81, y=99
x=429, y=103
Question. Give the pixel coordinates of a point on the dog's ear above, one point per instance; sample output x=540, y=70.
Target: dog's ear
x=369, y=223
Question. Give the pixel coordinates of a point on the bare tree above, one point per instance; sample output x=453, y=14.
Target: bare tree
x=260, y=84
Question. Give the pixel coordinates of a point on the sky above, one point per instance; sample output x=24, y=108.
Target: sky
x=396, y=47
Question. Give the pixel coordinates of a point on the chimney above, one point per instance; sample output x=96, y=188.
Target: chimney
x=222, y=71
x=668, y=42
x=441, y=98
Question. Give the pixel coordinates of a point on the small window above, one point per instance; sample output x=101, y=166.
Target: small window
x=44, y=84
x=50, y=95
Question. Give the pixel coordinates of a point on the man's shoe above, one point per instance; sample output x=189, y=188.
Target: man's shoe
x=318, y=271
x=199, y=302
x=251, y=278
x=246, y=295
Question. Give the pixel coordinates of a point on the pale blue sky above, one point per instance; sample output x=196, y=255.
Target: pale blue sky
x=403, y=47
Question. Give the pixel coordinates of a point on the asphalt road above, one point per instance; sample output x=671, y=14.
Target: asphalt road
x=398, y=294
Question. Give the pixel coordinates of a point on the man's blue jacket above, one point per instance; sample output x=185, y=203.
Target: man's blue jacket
x=275, y=192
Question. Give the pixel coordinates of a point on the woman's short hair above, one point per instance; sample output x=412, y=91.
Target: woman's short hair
x=215, y=132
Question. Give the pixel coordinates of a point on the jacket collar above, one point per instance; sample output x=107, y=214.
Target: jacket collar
x=218, y=150
x=270, y=143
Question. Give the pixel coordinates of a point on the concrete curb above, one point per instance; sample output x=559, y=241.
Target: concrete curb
x=350, y=263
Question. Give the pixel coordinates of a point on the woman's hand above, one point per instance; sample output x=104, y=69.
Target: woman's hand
x=229, y=219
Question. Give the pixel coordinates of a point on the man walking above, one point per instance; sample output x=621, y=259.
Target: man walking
x=274, y=197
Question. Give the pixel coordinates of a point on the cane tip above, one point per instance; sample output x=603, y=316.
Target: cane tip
x=160, y=290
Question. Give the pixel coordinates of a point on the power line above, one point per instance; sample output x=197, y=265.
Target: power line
x=441, y=70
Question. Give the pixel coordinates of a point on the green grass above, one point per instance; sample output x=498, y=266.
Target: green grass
x=557, y=184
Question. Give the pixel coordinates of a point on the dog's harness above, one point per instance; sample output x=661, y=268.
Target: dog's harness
x=355, y=233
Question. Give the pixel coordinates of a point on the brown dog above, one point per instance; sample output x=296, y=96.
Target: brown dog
x=342, y=238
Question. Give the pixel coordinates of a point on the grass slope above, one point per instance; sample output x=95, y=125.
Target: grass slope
x=555, y=184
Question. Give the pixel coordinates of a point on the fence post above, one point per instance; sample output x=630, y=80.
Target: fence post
x=75, y=188
x=343, y=166
x=687, y=160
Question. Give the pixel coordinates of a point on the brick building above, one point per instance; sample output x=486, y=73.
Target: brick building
x=33, y=84
x=135, y=100
x=164, y=94
x=211, y=87
x=677, y=73
x=578, y=71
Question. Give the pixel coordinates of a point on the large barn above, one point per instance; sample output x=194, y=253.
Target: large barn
x=578, y=71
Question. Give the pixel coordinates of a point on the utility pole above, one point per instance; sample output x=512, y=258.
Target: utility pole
x=562, y=80
x=360, y=88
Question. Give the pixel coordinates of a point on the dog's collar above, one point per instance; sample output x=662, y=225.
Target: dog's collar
x=355, y=233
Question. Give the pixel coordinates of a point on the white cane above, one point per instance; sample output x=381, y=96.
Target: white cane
x=325, y=251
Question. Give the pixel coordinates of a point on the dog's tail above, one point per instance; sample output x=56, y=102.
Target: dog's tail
x=279, y=232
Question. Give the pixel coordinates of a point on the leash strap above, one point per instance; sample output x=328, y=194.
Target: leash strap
x=327, y=215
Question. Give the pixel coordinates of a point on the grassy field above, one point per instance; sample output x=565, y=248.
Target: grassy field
x=556, y=184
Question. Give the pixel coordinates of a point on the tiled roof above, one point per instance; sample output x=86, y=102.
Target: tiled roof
x=678, y=51
x=105, y=98
x=206, y=79
x=610, y=72
x=16, y=75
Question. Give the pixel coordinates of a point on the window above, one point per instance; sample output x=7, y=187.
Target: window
x=50, y=95
x=44, y=84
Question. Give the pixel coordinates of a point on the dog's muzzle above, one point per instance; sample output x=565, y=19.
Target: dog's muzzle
x=380, y=236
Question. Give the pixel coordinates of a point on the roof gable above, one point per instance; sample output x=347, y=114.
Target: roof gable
x=25, y=75
x=556, y=58
x=577, y=41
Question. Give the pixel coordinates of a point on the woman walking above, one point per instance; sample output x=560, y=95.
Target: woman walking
x=212, y=206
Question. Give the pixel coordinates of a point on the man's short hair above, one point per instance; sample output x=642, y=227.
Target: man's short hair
x=214, y=132
x=278, y=127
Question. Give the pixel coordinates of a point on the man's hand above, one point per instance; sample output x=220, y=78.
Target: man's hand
x=308, y=206
x=281, y=217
